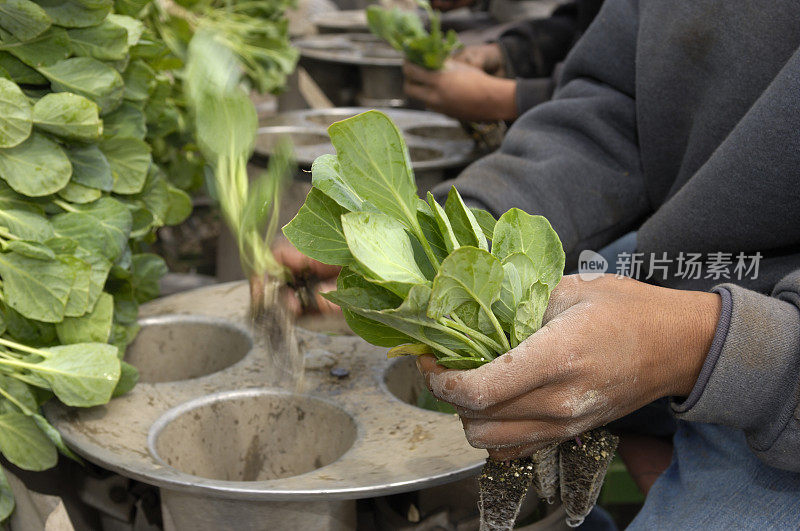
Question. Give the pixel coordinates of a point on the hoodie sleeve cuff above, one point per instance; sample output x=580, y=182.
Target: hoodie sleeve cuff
x=750, y=375
x=713, y=355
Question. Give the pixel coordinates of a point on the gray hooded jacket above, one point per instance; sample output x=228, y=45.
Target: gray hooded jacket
x=682, y=119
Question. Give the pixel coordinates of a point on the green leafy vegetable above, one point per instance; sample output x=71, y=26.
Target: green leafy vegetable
x=420, y=276
x=404, y=31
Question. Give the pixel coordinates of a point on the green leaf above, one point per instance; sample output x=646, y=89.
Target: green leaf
x=89, y=78
x=388, y=258
x=409, y=319
x=78, y=300
x=468, y=276
x=122, y=336
x=46, y=49
x=77, y=193
x=370, y=296
x=327, y=178
x=92, y=327
x=77, y=13
x=519, y=232
x=530, y=312
x=31, y=249
x=316, y=230
x=374, y=161
x=130, y=7
x=38, y=290
x=130, y=161
x=15, y=114
x=413, y=349
x=102, y=228
x=55, y=437
x=179, y=206
x=485, y=220
x=6, y=497
x=146, y=272
x=24, y=444
x=23, y=19
x=81, y=375
x=27, y=225
x=32, y=333
x=127, y=121
x=430, y=230
x=133, y=27
x=443, y=223
x=129, y=377
x=35, y=168
x=20, y=392
x=139, y=81
x=106, y=41
x=511, y=292
x=90, y=167
x=68, y=115
x=19, y=72
x=463, y=221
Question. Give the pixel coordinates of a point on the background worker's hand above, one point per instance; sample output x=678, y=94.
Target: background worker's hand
x=462, y=91
x=609, y=346
x=487, y=57
x=303, y=267
x=449, y=5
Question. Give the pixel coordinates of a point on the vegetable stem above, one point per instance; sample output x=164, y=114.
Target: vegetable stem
x=23, y=348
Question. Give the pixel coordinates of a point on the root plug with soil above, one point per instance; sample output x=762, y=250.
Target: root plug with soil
x=418, y=277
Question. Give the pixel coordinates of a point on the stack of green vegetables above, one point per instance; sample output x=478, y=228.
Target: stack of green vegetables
x=405, y=32
x=80, y=101
x=419, y=276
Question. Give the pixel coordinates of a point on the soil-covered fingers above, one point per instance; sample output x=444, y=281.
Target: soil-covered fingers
x=532, y=364
x=533, y=434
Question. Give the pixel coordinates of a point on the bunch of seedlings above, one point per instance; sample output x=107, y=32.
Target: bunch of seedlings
x=422, y=278
x=405, y=32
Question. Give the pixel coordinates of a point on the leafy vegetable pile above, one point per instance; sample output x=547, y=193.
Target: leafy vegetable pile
x=82, y=87
x=404, y=31
x=419, y=276
x=226, y=122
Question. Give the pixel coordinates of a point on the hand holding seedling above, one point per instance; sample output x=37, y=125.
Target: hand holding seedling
x=609, y=347
x=462, y=91
x=303, y=267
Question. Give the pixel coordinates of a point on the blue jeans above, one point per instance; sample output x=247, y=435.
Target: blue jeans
x=714, y=482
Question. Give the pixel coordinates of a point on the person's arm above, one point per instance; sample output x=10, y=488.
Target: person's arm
x=575, y=159
x=751, y=376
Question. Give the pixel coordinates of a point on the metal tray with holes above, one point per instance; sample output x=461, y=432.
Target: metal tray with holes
x=203, y=419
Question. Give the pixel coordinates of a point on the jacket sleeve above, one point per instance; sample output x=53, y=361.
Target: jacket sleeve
x=575, y=159
x=751, y=377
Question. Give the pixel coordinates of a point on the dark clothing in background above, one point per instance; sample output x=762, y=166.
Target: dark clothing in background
x=682, y=119
x=533, y=48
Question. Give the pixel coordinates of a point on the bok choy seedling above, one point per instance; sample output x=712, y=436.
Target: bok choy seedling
x=404, y=31
x=422, y=278
x=225, y=123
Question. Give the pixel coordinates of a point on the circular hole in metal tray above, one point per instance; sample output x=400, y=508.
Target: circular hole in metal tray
x=423, y=154
x=252, y=435
x=173, y=348
x=439, y=132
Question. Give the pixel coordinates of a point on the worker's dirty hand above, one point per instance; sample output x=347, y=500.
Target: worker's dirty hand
x=462, y=91
x=609, y=346
x=488, y=57
x=311, y=273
